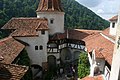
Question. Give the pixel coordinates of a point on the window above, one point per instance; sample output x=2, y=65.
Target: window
x=113, y=25
x=41, y=47
x=36, y=47
x=51, y=21
x=43, y=32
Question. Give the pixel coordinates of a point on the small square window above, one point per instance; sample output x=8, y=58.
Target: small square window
x=42, y=32
x=113, y=25
x=41, y=47
x=51, y=21
x=36, y=47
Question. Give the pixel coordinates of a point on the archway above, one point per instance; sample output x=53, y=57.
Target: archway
x=76, y=55
x=66, y=55
x=51, y=61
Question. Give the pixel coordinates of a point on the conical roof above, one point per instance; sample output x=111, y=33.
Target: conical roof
x=49, y=5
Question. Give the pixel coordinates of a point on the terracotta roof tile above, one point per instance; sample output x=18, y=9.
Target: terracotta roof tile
x=42, y=26
x=100, y=77
x=77, y=34
x=24, y=32
x=26, y=26
x=9, y=49
x=106, y=32
x=50, y=6
x=28, y=23
x=101, y=45
x=14, y=72
x=114, y=18
x=98, y=54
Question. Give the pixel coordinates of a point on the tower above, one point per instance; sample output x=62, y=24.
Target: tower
x=113, y=25
x=51, y=9
x=115, y=69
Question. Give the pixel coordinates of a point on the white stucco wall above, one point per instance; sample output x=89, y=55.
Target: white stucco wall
x=113, y=30
x=107, y=73
x=95, y=62
x=36, y=56
x=58, y=23
x=116, y=56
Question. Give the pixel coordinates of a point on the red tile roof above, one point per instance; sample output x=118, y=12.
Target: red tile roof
x=106, y=32
x=49, y=5
x=98, y=54
x=9, y=49
x=100, y=77
x=14, y=72
x=24, y=33
x=77, y=34
x=101, y=45
x=114, y=18
x=29, y=23
x=26, y=26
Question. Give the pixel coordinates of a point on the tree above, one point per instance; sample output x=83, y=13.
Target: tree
x=83, y=65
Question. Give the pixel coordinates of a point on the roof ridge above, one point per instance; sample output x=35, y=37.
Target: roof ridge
x=108, y=38
x=4, y=39
x=29, y=18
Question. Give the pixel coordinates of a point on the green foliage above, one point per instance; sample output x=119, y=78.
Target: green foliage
x=76, y=15
x=83, y=65
x=24, y=60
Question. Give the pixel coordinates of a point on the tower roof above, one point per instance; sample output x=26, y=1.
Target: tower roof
x=50, y=5
x=114, y=18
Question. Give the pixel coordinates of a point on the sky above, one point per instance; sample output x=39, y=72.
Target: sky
x=104, y=8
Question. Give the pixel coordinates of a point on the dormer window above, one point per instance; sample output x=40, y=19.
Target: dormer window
x=51, y=21
x=113, y=25
x=43, y=32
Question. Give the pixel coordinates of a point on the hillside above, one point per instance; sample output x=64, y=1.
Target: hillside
x=77, y=16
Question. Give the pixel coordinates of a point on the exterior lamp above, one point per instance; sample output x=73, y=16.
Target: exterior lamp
x=118, y=41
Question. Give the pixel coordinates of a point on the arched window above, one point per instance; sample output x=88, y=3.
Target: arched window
x=51, y=21
x=36, y=47
x=41, y=47
x=113, y=25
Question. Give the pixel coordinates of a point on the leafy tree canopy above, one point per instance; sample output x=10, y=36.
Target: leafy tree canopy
x=83, y=65
x=76, y=15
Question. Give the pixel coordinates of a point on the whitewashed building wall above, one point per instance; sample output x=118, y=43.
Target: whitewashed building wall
x=115, y=69
x=58, y=21
x=36, y=56
x=113, y=29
